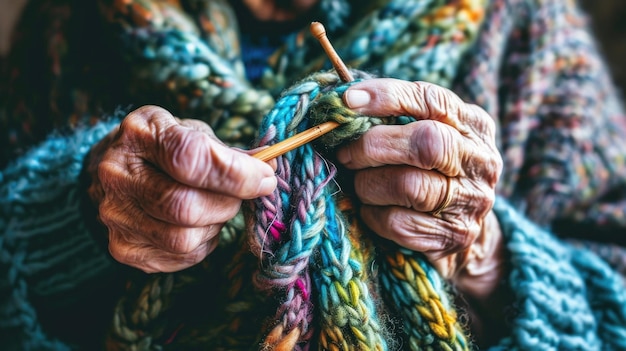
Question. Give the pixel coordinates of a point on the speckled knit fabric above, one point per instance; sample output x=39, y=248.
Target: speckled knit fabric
x=531, y=64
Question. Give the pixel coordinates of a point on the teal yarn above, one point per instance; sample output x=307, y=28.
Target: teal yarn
x=510, y=70
x=566, y=298
x=298, y=221
x=34, y=263
x=301, y=235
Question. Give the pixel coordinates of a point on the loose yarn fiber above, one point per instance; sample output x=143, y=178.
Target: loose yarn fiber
x=314, y=261
x=184, y=54
x=299, y=270
x=210, y=78
x=307, y=263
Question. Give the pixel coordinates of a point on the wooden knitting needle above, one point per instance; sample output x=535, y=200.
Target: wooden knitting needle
x=319, y=32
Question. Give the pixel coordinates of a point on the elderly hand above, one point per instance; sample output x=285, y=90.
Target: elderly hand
x=165, y=188
x=429, y=185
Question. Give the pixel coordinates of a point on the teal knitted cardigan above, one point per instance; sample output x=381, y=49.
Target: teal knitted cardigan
x=565, y=297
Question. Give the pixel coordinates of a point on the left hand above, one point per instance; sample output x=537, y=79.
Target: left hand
x=429, y=185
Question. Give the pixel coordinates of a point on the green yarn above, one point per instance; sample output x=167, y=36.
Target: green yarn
x=307, y=260
x=511, y=72
x=352, y=124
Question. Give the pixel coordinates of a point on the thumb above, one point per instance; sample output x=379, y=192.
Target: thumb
x=384, y=97
x=198, y=159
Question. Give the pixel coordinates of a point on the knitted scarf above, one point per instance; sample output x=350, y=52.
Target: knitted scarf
x=313, y=263
x=299, y=270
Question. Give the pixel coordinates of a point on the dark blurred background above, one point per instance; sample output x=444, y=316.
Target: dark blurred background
x=608, y=19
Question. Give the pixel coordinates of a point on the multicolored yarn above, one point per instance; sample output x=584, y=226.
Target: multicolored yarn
x=313, y=261
x=185, y=55
x=300, y=236
x=294, y=281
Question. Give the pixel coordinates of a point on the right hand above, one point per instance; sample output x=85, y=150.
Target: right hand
x=165, y=187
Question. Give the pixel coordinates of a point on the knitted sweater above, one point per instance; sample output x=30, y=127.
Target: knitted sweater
x=531, y=64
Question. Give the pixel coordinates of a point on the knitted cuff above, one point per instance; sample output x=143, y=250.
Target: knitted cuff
x=45, y=247
x=41, y=201
x=564, y=298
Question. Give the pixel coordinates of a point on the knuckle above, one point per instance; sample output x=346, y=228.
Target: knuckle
x=398, y=226
x=404, y=228
x=183, y=241
x=491, y=170
x=446, y=241
x=427, y=140
x=108, y=173
x=141, y=126
x=370, y=146
x=190, y=153
x=416, y=97
x=482, y=116
x=417, y=190
x=142, y=115
x=497, y=165
x=115, y=215
x=439, y=102
x=388, y=218
x=136, y=120
x=121, y=252
x=459, y=238
x=182, y=146
x=488, y=199
x=181, y=206
x=468, y=236
x=490, y=123
x=105, y=215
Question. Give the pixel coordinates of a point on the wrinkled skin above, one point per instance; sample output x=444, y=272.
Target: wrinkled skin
x=449, y=151
x=452, y=145
x=165, y=187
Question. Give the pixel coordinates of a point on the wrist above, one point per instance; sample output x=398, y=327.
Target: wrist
x=484, y=265
x=480, y=284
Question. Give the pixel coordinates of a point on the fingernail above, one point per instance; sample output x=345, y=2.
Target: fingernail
x=356, y=98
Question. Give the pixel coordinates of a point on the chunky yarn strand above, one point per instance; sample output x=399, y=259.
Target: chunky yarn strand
x=346, y=306
x=288, y=228
x=418, y=295
x=301, y=233
x=200, y=71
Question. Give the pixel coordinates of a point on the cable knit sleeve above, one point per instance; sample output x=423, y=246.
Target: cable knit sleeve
x=48, y=259
x=564, y=298
x=562, y=130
